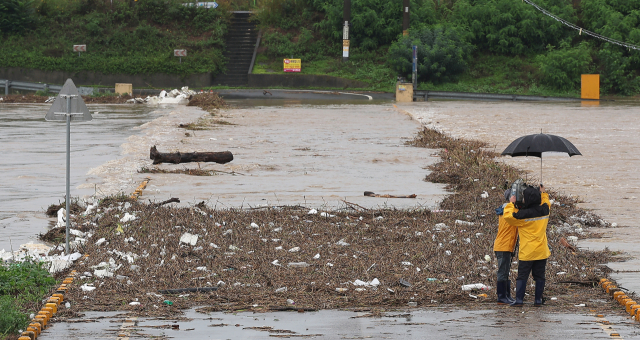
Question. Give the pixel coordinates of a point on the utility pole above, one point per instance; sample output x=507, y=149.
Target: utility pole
x=405, y=17
x=345, y=30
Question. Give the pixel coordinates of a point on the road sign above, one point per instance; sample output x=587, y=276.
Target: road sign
x=292, y=65
x=208, y=4
x=179, y=53
x=77, y=109
x=79, y=48
x=68, y=106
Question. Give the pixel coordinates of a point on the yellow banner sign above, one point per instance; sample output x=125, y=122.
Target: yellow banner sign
x=292, y=65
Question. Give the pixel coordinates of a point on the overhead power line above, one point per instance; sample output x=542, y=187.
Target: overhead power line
x=582, y=30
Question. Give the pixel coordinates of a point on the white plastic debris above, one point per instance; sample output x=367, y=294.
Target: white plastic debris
x=460, y=222
x=561, y=273
x=317, y=256
x=324, y=214
x=298, y=264
x=61, y=218
x=572, y=239
x=487, y=258
x=213, y=245
x=134, y=303
x=294, y=250
x=341, y=290
x=101, y=241
x=254, y=225
x=87, y=287
x=373, y=283
x=484, y=194
x=281, y=290
x=290, y=302
x=329, y=264
x=406, y=263
x=204, y=268
x=448, y=252
x=480, y=286
x=581, y=305
x=554, y=298
x=440, y=226
x=189, y=239
x=275, y=263
x=312, y=212
x=76, y=232
x=342, y=242
x=127, y=218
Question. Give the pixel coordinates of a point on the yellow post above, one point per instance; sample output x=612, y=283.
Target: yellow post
x=590, y=86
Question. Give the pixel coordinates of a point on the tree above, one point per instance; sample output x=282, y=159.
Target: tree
x=442, y=54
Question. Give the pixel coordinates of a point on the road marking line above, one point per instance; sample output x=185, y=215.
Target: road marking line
x=123, y=333
x=606, y=326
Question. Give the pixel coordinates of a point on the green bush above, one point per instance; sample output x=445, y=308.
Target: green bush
x=374, y=23
x=17, y=16
x=284, y=14
x=442, y=54
x=617, y=75
x=561, y=68
x=21, y=285
x=513, y=27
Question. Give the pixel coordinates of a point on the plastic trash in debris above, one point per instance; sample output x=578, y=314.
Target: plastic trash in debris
x=572, y=239
x=329, y=264
x=484, y=194
x=448, y=252
x=167, y=302
x=324, y=214
x=431, y=279
x=461, y=222
x=561, y=273
x=254, y=225
x=298, y=264
x=440, y=226
x=341, y=290
x=87, y=288
x=127, y=218
x=61, y=218
x=581, y=305
x=487, y=258
x=473, y=286
x=316, y=257
x=67, y=305
x=294, y=250
x=406, y=263
x=343, y=243
x=373, y=283
x=290, y=302
x=554, y=298
x=101, y=241
x=189, y=239
x=281, y=290
x=412, y=304
x=134, y=303
x=312, y=212
x=404, y=283
x=233, y=248
x=202, y=268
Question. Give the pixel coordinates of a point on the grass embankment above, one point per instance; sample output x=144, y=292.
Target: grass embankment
x=22, y=288
x=260, y=258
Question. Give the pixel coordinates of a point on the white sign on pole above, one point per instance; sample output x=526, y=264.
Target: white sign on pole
x=79, y=48
x=77, y=108
x=179, y=53
x=345, y=32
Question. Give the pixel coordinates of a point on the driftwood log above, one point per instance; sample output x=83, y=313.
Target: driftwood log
x=179, y=157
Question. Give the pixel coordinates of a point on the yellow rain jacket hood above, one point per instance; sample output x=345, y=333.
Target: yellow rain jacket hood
x=531, y=222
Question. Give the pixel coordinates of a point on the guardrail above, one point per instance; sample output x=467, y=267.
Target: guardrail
x=21, y=85
x=426, y=95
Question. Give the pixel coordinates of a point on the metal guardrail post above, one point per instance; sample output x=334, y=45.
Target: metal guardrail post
x=46, y=88
x=7, y=83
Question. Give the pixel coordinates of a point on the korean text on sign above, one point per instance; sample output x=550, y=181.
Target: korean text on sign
x=292, y=65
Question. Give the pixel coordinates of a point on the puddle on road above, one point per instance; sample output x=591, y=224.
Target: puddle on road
x=502, y=323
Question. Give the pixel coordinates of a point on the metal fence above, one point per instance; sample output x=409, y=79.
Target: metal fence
x=21, y=85
x=426, y=95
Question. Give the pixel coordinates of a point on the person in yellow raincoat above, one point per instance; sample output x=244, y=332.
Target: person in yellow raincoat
x=504, y=247
x=531, y=222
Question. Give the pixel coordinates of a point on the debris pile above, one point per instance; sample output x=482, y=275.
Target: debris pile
x=299, y=258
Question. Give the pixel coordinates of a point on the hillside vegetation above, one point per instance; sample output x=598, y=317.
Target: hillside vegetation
x=504, y=46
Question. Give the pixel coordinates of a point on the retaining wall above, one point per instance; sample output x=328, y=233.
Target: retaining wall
x=302, y=81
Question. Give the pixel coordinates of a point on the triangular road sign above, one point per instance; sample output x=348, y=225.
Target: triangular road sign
x=77, y=108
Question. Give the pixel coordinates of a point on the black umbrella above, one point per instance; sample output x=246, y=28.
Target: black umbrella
x=535, y=145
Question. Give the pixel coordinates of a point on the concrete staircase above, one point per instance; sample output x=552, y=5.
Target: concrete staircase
x=241, y=41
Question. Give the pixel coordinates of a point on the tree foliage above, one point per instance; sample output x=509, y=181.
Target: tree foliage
x=561, y=68
x=374, y=23
x=442, y=54
x=513, y=27
x=17, y=16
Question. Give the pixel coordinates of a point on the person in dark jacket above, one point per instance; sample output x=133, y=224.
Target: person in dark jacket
x=531, y=222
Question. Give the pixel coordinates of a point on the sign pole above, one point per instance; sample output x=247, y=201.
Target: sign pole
x=345, y=30
x=68, y=198
x=405, y=17
x=414, y=75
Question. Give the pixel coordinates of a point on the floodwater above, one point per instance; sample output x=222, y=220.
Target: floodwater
x=447, y=323
x=34, y=161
